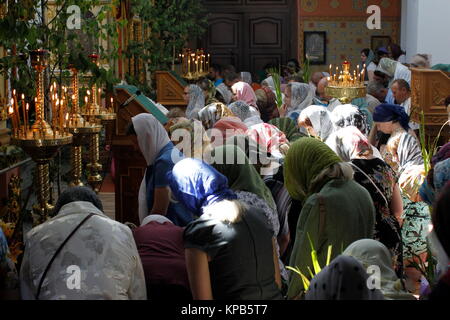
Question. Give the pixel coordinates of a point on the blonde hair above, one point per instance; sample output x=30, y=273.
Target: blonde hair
x=228, y=211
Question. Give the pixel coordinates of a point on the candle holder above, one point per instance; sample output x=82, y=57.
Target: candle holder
x=94, y=112
x=81, y=130
x=344, y=86
x=194, y=64
x=41, y=141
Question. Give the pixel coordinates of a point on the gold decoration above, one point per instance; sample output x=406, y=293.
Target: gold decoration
x=346, y=85
x=41, y=141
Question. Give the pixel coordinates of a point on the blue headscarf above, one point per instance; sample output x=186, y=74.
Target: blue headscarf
x=197, y=184
x=391, y=112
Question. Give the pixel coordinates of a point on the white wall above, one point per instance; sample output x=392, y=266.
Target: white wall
x=426, y=29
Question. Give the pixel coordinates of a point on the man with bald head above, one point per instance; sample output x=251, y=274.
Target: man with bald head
x=322, y=99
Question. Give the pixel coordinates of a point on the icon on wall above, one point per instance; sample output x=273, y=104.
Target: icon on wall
x=315, y=47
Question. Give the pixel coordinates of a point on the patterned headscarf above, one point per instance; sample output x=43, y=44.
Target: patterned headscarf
x=212, y=113
x=348, y=115
x=320, y=119
x=306, y=158
x=301, y=97
x=197, y=185
x=343, y=279
x=240, y=110
x=349, y=143
x=199, y=140
x=245, y=93
x=231, y=161
x=428, y=189
x=196, y=101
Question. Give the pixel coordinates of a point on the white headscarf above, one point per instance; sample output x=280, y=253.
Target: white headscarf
x=152, y=138
x=320, y=120
x=246, y=77
x=269, y=83
x=196, y=101
x=394, y=69
x=373, y=253
x=301, y=97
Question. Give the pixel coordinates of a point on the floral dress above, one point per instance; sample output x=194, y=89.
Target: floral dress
x=402, y=151
x=387, y=229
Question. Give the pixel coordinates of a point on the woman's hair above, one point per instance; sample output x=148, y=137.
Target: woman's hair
x=341, y=170
x=228, y=211
x=366, y=51
x=396, y=51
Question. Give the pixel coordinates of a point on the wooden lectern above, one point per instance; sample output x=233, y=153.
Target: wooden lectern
x=429, y=89
x=170, y=89
x=129, y=164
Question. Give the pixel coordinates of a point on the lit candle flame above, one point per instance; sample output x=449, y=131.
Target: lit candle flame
x=89, y=93
x=28, y=106
x=10, y=110
x=23, y=96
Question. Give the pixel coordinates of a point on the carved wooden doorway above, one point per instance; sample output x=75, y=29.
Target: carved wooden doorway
x=251, y=33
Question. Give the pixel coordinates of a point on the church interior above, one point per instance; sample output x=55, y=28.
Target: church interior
x=93, y=93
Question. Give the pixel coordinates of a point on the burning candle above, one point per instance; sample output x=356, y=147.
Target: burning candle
x=16, y=108
x=27, y=108
x=24, y=112
x=12, y=116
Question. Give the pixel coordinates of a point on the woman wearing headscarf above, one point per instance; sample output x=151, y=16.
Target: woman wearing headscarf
x=266, y=102
x=371, y=253
x=195, y=142
x=380, y=180
x=194, y=97
x=317, y=122
x=348, y=115
x=393, y=70
x=247, y=78
x=343, y=279
x=212, y=113
x=367, y=59
x=160, y=156
x=428, y=188
x=226, y=128
x=209, y=90
x=288, y=127
x=403, y=153
x=242, y=91
x=298, y=96
x=245, y=181
x=230, y=252
x=336, y=210
x=265, y=134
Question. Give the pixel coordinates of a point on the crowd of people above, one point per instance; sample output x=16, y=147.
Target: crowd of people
x=239, y=191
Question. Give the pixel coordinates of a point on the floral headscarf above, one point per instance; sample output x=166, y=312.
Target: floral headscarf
x=349, y=143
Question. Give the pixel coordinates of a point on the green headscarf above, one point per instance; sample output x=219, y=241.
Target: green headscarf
x=306, y=158
x=242, y=175
x=287, y=125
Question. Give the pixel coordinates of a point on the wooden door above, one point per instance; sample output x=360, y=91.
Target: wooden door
x=251, y=33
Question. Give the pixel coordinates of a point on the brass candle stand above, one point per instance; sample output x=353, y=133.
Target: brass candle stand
x=194, y=64
x=346, y=85
x=94, y=112
x=81, y=129
x=41, y=141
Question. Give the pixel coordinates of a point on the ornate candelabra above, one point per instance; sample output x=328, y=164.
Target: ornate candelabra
x=94, y=112
x=41, y=141
x=345, y=85
x=81, y=130
x=194, y=64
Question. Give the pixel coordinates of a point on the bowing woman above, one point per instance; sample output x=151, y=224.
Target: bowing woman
x=230, y=250
x=149, y=136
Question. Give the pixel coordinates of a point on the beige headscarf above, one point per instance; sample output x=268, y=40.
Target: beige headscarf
x=371, y=253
